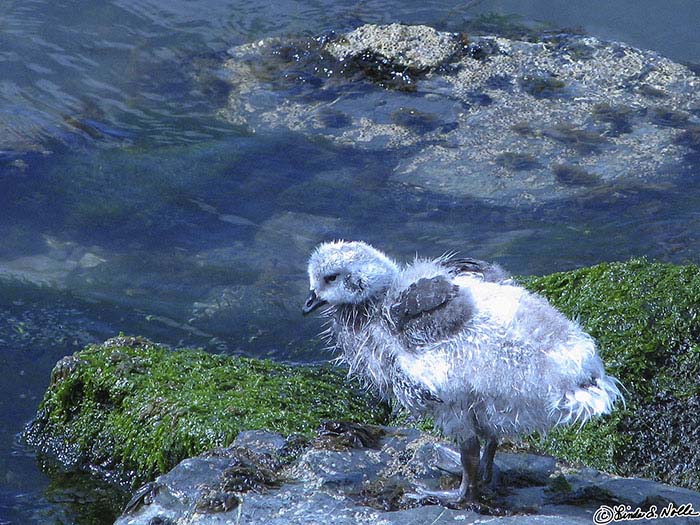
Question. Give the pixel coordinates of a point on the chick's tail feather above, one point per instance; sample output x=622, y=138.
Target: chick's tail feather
x=588, y=401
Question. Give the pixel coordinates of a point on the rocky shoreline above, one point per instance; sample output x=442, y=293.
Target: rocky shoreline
x=130, y=410
x=358, y=474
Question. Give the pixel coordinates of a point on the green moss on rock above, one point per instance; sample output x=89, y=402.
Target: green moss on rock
x=135, y=408
x=646, y=319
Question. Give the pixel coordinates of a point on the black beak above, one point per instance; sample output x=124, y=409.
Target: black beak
x=312, y=302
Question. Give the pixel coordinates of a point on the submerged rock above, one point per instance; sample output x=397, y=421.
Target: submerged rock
x=53, y=267
x=266, y=303
x=617, y=115
x=259, y=479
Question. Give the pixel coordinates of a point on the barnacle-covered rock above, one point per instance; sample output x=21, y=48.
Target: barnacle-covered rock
x=468, y=115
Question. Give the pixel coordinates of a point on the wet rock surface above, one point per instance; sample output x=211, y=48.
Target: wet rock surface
x=504, y=121
x=417, y=48
x=266, y=478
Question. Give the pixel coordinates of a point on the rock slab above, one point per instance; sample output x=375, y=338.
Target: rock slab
x=362, y=474
x=502, y=121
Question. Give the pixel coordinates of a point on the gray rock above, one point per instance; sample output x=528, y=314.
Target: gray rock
x=502, y=121
x=525, y=469
x=417, y=47
x=346, y=476
x=54, y=266
x=261, y=442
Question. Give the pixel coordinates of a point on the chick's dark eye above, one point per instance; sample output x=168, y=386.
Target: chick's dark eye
x=330, y=278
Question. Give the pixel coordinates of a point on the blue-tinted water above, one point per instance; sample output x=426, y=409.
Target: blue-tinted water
x=127, y=205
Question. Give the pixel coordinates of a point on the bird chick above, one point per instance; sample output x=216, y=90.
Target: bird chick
x=455, y=340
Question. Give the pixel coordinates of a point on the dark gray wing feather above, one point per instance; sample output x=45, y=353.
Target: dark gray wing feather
x=430, y=310
x=422, y=297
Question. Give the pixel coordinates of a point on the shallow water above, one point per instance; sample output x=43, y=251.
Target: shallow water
x=127, y=205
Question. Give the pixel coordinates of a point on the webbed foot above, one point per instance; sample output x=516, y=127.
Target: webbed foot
x=468, y=491
x=456, y=498
x=449, y=460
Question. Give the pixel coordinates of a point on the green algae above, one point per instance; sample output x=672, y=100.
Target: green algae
x=517, y=161
x=574, y=176
x=645, y=317
x=543, y=85
x=136, y=409
x=558, y=483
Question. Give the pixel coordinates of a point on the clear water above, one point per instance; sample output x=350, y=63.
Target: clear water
x=127, y=205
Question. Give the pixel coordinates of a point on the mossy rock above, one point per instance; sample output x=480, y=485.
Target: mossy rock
x=133, y=409
x=646, y=319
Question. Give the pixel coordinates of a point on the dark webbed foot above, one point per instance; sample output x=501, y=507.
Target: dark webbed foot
x=449, y=460
x=468, y=491
x=475, y=471
x=453, y=499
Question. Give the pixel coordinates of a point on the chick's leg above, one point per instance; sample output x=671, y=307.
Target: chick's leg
x=469, y=488
x=486, y=465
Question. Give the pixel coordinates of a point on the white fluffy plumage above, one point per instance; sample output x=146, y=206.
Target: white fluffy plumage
x=456, y=340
